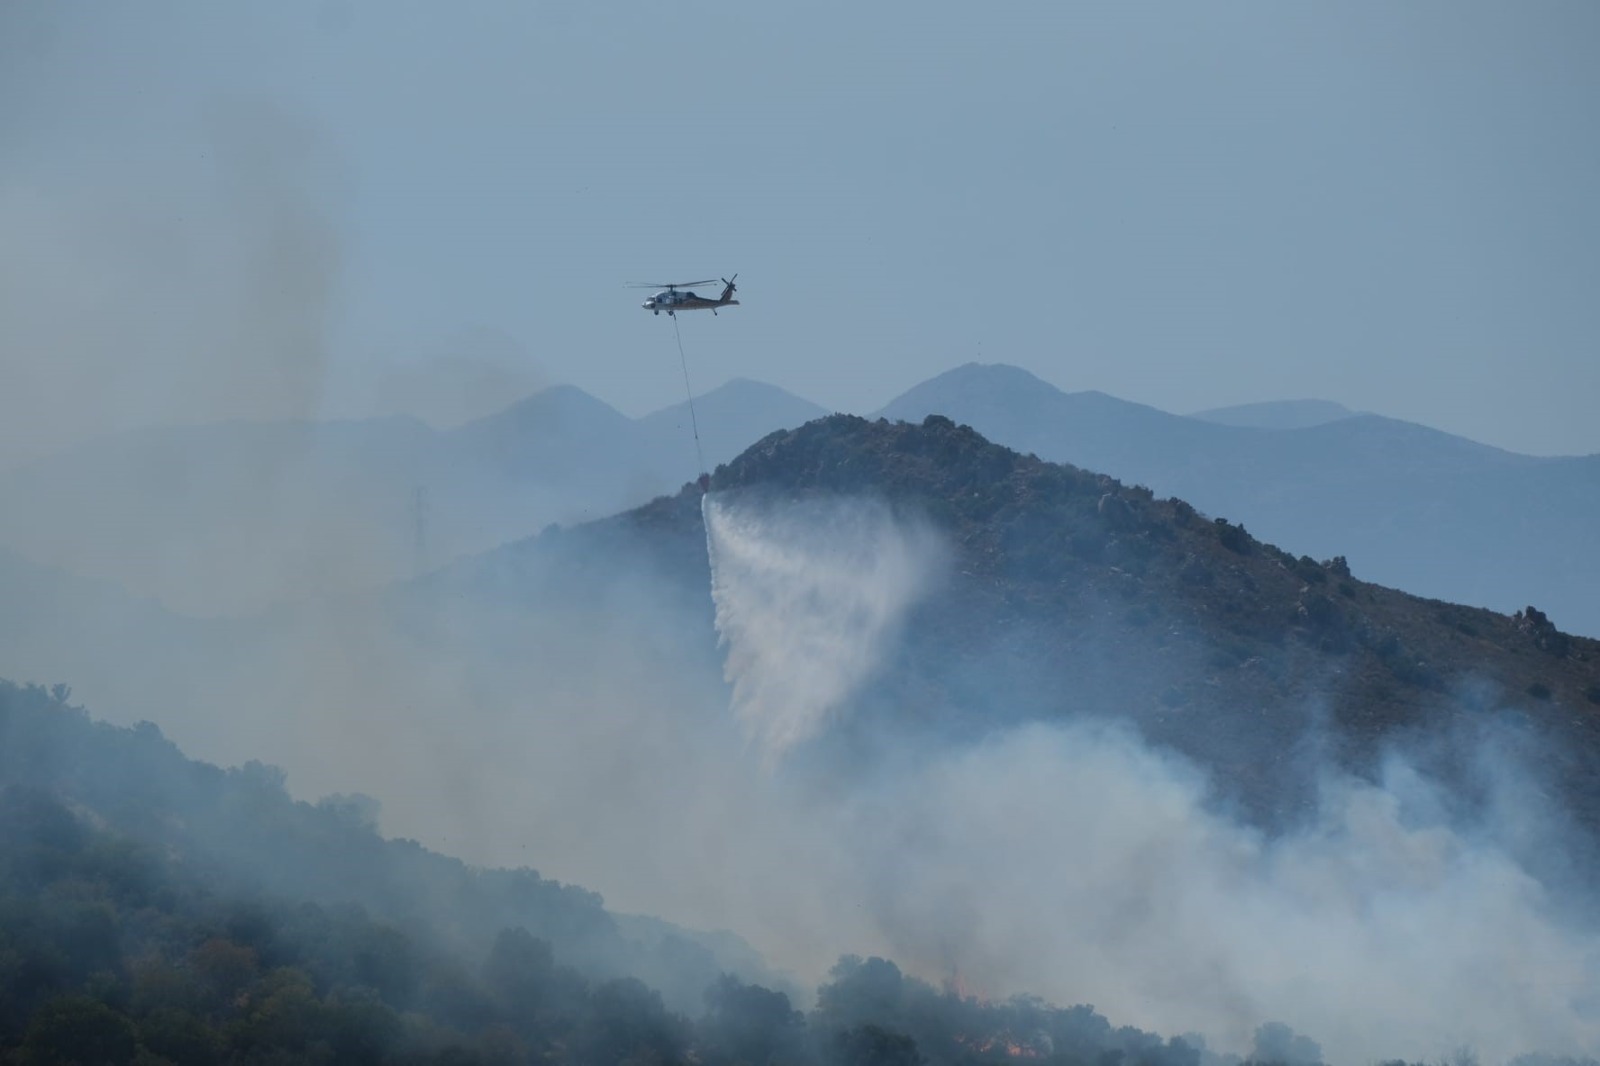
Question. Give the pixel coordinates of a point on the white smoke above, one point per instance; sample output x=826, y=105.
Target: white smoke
x=808, y=597
x=1068, y=860
x=1071, y=861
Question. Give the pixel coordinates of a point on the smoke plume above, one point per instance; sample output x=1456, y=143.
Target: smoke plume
x=606, y=740
x=1072, y=861
x=197, y=293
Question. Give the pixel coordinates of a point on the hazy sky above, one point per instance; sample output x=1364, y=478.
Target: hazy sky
x=209, y=210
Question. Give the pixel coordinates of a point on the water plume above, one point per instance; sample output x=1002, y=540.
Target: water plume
x=809, y=594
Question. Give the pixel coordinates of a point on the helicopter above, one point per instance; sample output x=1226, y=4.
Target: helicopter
x=675, y=297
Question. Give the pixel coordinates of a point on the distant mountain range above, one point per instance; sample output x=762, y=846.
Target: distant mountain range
x=1410, y=507
x=1277, y=414
x=233, y=517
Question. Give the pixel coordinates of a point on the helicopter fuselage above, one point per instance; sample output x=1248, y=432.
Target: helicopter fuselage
x=672, y=301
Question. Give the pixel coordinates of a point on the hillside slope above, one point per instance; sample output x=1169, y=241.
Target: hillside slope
x=1276, y=414
x=242, y=831
x=571, y=701
x=1072, y=593
x=159, y=910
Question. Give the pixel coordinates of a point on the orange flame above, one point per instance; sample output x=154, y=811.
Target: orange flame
x=1003, y=1042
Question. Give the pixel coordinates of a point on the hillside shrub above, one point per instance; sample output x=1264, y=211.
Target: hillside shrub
x=1142, y=615
x=1228, y=656
x=1416, y=672
x=1194, y=572
x=75, y=1028
x=1116, y=512
x=1233, y=537
x=1546, y=636
x=1320, y=611
x=1404, y=665
x=1088, y=544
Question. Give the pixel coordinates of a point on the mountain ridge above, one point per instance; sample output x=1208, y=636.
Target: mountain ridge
x=1276, y=414
x=1417, y=508
x=1144, y=608
x=224, y=526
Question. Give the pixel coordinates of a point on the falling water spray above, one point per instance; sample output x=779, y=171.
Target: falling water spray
x=809, y=596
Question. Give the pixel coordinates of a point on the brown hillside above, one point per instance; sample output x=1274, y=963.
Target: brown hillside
x=1073, y=592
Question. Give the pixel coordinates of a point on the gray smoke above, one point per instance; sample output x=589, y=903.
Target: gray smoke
x=602, y=744
x=150, y=297
x=608, y=744
x=1072, y=861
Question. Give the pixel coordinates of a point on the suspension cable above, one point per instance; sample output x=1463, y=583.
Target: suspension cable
x=684, y=362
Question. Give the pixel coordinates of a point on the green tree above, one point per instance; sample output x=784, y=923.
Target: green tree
x=180, y=1037
x=223, y=967
x=870, y=990
x=283, y=1013
x=872, y=1045
x=360, y=1027
x=72, y=1030
x=748, y=1024
x=626, y=1023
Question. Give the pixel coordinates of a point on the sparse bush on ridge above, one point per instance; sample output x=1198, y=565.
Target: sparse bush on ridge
x=1546, y=636
x=1234, y=537
x=1311, y=570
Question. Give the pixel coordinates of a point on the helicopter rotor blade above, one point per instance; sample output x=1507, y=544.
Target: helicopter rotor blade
x=668, y=284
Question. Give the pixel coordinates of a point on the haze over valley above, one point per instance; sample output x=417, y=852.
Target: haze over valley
x=891, y=689
x=1122, y=592
x=233, y=518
